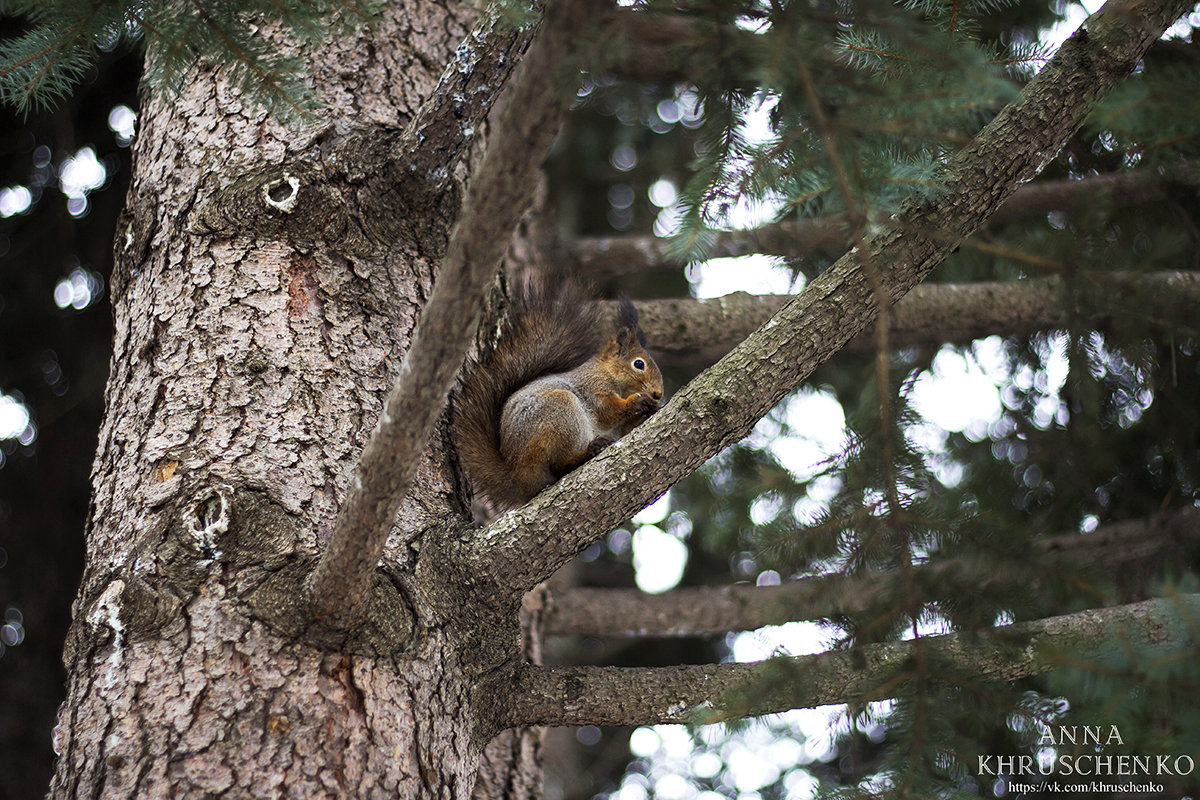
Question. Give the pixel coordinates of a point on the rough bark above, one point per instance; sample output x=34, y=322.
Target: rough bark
x=259, y=324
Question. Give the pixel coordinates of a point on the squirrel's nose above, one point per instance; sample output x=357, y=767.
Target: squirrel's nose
x=657, y=395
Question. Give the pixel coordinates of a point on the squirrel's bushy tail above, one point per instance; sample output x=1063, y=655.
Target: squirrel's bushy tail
x=549, y=330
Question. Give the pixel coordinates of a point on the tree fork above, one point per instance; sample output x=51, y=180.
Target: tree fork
x=498, y=195
x=248, y=367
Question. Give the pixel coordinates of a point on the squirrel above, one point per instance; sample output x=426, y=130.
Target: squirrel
x=554, y=392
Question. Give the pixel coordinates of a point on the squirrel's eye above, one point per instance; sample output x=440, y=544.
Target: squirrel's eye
x=639, y=364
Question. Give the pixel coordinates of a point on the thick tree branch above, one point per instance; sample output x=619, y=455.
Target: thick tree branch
x=1123, y=549
x=499, y=193
x=525, y=546
x=933, y=313
x=717, y=692
x=448, y=119
x=619, y=255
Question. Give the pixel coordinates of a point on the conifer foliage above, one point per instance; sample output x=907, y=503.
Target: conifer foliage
x=925, y=530
x=61, y=40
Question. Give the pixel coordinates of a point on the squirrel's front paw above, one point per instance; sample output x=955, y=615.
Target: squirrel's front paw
x=644, y=404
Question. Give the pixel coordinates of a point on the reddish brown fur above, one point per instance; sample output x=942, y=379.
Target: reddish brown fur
x=552, y=394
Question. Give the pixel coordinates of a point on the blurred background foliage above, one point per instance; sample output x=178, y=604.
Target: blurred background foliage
x=1081, y=428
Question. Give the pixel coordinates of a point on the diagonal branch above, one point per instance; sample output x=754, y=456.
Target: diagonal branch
x=500, y=191
x=1129, y=550
x=526, y=546
x=448, y=119
x=716, y=692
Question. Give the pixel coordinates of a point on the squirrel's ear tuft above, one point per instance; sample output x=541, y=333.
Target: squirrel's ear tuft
x=627, y=318
x=627, y=314
x=617, y=344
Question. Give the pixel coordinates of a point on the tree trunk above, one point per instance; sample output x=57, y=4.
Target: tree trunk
x=258, y=328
